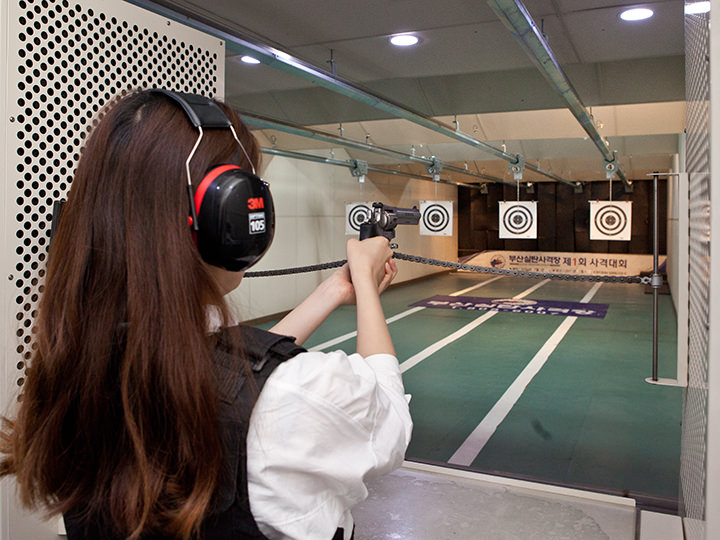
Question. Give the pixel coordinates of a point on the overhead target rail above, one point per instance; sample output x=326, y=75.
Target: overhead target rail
x=279, y=59
x=516, y=18
x=359, y=168
x=263, y=122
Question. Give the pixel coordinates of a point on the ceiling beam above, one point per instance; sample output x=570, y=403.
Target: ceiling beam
x=282, y=60
x=515, y=16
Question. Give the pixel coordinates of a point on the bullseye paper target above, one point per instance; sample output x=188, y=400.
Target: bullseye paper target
x=356, y=214
x=436, y=218
x=610, y=220
x=518, y=219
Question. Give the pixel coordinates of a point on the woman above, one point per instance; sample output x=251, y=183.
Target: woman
x=125, y=425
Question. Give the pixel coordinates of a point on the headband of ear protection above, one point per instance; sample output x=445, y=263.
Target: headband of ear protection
x=231, y=211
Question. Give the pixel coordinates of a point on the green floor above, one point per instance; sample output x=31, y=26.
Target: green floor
x=588, y=418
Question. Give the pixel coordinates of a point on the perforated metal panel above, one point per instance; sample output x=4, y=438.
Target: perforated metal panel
x=695, y=414
x=65, y=61
x=69, y=60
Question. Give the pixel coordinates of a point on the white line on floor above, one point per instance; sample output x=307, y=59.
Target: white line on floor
x=350, y=335
x=477, y=440
x=422, y=355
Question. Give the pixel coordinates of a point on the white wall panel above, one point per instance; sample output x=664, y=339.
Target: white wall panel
x=699, y=479
x=7, y=371
x=712, y=500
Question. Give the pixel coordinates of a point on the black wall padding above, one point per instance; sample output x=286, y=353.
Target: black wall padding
x=563, y=218
x=493, y=215
x=547, y=215
x=641, y=239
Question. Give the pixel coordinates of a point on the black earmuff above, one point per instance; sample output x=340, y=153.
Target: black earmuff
x=235, y=217
x=231, y=211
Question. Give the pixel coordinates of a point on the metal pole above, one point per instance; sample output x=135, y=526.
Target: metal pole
x=351, y=164
x=656, y=281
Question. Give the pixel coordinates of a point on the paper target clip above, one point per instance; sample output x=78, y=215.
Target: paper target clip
x=436, y=218
x=355, y=215
x=610, y=220
x=518, y=219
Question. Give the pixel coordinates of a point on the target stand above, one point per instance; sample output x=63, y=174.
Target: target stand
x=436, y=218
x=355, y=215
x=610, y=220
x=518, y=219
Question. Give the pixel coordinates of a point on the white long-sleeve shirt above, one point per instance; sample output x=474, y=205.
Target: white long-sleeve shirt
x=323, y=423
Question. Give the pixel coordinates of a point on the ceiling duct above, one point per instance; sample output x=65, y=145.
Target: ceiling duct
x=276, y=58
x=518, y=20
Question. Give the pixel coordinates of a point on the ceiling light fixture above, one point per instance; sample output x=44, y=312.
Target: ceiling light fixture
x=250, y=60
x=636, y=14
x=697, y=8
x=404, y=40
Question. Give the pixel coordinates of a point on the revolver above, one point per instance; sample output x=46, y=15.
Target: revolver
x=382, y=220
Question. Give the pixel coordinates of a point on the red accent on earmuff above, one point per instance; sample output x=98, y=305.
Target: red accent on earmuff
x=205, y=184
x=194, y=234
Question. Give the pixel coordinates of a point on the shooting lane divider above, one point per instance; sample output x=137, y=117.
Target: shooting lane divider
x=476, y=441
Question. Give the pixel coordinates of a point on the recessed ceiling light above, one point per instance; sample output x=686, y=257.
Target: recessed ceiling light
x=636, y=14
x=404, y=40
x=696, y=8
x=250, y=60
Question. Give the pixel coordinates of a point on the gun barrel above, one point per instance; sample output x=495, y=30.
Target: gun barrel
x=407, y=216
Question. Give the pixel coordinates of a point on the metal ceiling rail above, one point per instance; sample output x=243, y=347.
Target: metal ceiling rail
x=352, y=164
x=263, y=122
x=518, y=20
x=276, y=58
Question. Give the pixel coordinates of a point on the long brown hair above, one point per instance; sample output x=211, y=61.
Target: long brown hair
x=119, y=410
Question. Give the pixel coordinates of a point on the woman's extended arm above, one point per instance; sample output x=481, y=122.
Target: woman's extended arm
x=335, y=291
x=367, y=260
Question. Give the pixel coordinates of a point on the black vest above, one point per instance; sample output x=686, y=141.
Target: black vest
x=230, y=517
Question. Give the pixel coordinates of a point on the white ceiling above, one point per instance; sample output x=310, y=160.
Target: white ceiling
x=467, y=66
